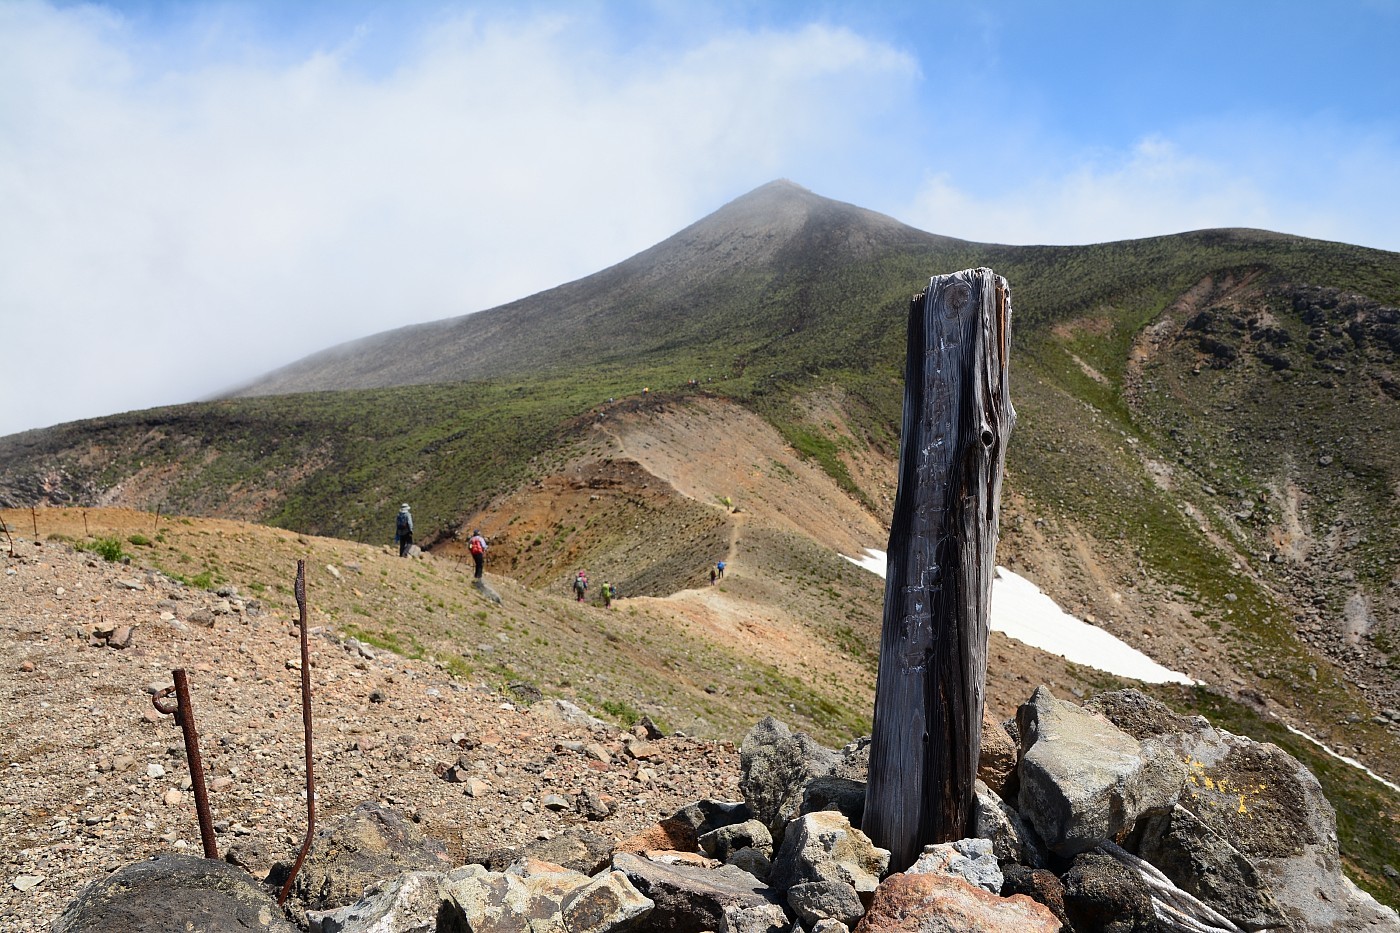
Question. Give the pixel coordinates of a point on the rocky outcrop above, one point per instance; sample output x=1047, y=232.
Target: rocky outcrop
x=1232, y=833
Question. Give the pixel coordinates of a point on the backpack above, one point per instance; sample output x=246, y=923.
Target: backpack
x=403, y=527
x=476, y=545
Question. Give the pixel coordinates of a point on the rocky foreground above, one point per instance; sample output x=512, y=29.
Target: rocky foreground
x=445, y=807
x=94, y=777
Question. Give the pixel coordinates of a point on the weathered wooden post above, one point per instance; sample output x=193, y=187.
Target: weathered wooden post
x=933, y=645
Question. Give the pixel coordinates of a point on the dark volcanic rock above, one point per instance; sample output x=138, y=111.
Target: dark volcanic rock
x=1102, y=895
x=1039, y=885
x=1206, y=866
x=690, y=899
x=776, y=767
x=1138, y=714
x=174, y=892
x=370, y=844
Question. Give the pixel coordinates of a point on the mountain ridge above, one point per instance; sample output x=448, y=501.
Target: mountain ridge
x=1204, y=464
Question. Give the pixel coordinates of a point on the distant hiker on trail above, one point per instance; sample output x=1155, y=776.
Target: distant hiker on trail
x=403, y=530
x=713, y=575
x=477, y=545
x=607, y=595
x=720, y=567
x=581, y=586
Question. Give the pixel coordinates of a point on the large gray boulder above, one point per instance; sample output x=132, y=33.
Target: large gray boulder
x=775, y=767
x=690, y=898
x=823, y=846
x=1083, y=780
x=368, y=845
x=1206, y=866
x=174, y=892
x=1268, y=807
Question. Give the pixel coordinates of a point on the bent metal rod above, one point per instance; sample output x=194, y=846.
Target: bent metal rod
x=184, y=715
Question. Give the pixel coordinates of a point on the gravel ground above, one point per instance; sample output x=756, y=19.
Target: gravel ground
x=95, y=778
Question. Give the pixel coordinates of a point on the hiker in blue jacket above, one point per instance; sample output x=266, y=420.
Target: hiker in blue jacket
x=403, y=530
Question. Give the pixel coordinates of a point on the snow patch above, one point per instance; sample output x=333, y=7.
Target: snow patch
x=1021, y=611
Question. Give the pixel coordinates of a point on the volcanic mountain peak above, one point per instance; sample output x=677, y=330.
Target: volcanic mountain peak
x=779, y=232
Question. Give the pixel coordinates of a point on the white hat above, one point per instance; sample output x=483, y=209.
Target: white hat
x=405, y=506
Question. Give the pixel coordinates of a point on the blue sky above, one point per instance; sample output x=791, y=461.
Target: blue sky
x=194, y=193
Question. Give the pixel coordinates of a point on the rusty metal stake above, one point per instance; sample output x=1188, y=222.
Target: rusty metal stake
x=184, y=715
x=306, y=728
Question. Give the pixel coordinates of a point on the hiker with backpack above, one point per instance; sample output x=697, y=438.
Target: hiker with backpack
x=581, y=586
x=720, y=567
x=477, y=545
x=607, y=595
x=403, y=530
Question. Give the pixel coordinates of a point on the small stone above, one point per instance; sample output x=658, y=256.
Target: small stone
x=60, y=591
x=26, y=882
x=476, y=787
x=131, y=584
x=377, y=696
x=154, y=770
x=598, y=752
x=639, y=749
x=26, y=667
x=121, y=637
x=221, y=783
x=333, y=571
x=123, y=762
x=294, y=664
x=173, y=798
x=556, y=802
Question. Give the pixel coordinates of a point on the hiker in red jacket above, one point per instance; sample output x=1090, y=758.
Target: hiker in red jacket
x=477, y=545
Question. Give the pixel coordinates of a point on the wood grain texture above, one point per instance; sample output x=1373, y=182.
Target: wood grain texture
x=942, y=550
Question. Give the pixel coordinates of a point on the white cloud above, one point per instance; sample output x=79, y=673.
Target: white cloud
x=1258, y=174
x=169, y=232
